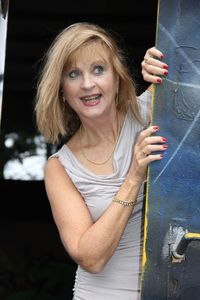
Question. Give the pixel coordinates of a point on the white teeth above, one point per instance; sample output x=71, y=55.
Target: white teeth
x=91, y=99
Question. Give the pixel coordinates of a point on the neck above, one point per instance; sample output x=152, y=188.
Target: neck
x=100, y=135
x=104, y=130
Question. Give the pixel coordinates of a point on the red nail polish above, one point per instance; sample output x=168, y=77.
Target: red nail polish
x=164, y=139
x=158, y=80
x=162, y=56
x=166, y=72
x=165, y=67
x=165, y=146
x=161, y=155
x=155, y=127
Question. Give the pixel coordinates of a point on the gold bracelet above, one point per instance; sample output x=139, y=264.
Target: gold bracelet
x=125, y=203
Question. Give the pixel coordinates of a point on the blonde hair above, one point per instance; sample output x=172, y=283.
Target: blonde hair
x=54, y=118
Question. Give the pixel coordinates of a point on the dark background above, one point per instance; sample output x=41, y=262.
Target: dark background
x=33, y=263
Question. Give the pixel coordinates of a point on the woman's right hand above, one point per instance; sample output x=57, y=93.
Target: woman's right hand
x=144, y=152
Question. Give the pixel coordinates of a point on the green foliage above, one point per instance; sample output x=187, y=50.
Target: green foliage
x=45, y=278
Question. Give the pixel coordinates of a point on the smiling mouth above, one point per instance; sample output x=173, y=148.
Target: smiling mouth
x=91, y=99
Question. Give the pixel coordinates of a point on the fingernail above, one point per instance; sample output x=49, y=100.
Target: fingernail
x=166, y=72
x=162, y=56
x=165, y=67
x=165, y=146
x=161, y=155
x=164, y=139
x=155, y=127
x=158, y=80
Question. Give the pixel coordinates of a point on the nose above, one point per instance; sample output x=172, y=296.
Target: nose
x=88, y=82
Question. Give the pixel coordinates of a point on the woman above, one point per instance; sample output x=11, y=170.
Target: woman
x=95, y=182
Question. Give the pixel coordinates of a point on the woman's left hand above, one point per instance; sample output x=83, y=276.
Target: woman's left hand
x=152, y=67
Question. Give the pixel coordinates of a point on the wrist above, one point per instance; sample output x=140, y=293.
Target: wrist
x=129, y=190
x=124, y=202
x=134, y=181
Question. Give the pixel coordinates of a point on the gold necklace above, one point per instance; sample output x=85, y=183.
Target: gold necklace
x=96, y=162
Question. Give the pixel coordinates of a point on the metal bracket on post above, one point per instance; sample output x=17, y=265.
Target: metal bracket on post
x=180, y=239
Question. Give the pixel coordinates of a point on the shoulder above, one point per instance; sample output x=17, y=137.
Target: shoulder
x=145, y=97
x=56, y=177
x=144, y=102
x=53, y=166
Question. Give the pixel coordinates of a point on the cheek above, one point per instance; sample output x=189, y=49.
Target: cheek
x=69, y=90
x=111, y=85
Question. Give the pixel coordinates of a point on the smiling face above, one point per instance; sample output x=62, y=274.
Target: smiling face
x=89, y=82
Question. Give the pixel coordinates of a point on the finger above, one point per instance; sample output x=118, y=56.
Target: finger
x=153, y=51
x=152, y=140
x=153, y=157
x=152, y=60
x=145, y=151
x=151, y=78
x=146, y=133
x=146, y=160
x=153, y=148
x=154, y=66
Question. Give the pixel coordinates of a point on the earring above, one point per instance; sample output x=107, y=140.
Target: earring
x=117, y=93
x=117, y=98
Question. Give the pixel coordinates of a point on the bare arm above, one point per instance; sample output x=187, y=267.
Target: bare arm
x=92, y=244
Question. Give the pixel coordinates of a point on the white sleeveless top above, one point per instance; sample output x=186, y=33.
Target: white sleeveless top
x=120, y=279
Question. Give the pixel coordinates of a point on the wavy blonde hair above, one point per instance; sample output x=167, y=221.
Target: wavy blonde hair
x=54, y=118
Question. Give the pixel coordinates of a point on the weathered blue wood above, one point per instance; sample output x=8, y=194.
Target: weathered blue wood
x=174, y=183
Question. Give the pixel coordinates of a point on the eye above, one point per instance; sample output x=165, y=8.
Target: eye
x=98, y=69
x=73, y=74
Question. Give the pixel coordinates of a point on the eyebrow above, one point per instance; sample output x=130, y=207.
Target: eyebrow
x=94, y=63
x=97, y=62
